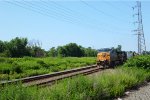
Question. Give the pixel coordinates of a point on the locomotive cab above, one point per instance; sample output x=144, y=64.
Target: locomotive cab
x=109, y=57
x=103, y=57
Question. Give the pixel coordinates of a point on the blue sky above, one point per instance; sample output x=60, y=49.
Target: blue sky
x=96, y=24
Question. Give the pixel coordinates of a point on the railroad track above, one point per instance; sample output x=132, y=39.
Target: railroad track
x=51, y=78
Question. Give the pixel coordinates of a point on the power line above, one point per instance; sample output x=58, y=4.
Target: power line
x=62, y=11
x=115, y=7
x=42, y=9
x=100, y=11
x=70, y=11
x=45, y=10
x=78, y=16
x=16, y=3
x=42, y=12
x=106, y=14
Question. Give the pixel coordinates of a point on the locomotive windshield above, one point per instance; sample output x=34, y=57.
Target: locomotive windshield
x=104, y=50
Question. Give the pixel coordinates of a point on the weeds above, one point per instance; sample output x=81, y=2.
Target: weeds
x=104, y=86
x=108, y=85
x=12, y=68
x=142, y=61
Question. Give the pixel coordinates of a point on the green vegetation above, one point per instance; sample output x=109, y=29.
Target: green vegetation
x=139, y=61
x=20, y=47
x=21, y=64
x=13, y=92
x=104, y=86
x=11, y=68
x=107, y=85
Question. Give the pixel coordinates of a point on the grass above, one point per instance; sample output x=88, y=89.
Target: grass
x=18, y=92
x=107, y=85
x=12, y=68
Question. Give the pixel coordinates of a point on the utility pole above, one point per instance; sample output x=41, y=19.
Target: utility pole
x=139, y=31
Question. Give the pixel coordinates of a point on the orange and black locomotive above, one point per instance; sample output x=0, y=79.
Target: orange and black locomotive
x=109, y=57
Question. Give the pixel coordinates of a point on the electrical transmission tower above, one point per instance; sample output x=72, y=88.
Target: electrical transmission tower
x=139, y=31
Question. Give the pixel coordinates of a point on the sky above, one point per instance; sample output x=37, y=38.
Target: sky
x=96, y=23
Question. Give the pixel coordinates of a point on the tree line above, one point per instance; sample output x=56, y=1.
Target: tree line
x=20, y=47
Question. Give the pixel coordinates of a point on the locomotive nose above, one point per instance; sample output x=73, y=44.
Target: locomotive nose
x=103, y=56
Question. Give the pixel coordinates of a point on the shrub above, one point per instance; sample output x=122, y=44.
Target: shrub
x=42, y=63
x=2, y=60
x=139, y=61
x=16, y=68
x=5, y=68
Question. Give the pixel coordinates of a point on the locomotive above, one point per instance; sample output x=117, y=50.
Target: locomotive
x=109, y=57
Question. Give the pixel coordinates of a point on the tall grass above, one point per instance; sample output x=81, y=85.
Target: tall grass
x=104, y=86
x=107, y=85
x=12, y=68
x=13, y=92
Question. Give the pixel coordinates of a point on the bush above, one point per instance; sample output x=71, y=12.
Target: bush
x=5, y=68
x=42, y=63
x=139, y=61
x=2, y=60
x=16, y=68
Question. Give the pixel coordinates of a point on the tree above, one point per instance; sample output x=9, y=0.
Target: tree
x=34, y=46
x=89, y=52
x=52, y=52
x=73, y=50
x=17, y=47
x=38, y=52
x=61, y=52
x=2, y=46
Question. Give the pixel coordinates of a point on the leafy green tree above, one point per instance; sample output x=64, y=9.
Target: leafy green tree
x=52, y=52
x=34, y=46
x=73, y=50
x=2, y=47
x=37, y=52
x=89, y=52
x=61, y=51
x=17, y=47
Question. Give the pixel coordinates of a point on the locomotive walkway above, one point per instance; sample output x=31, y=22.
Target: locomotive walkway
x=142, y=93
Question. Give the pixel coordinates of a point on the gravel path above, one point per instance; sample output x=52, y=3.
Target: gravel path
x=143, y=93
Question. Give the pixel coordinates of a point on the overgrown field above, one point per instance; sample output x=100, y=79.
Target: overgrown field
x=12, y=68
x=109, y=84
x=104, y=86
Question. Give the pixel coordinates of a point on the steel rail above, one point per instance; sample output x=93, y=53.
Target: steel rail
x=53, y=77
